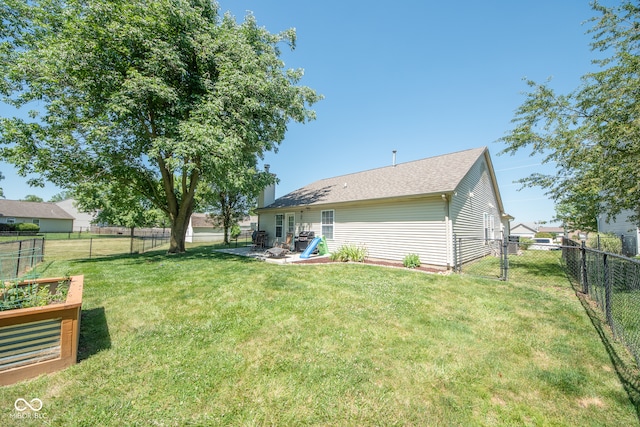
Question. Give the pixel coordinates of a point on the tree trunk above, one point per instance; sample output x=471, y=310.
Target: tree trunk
x=226, y=234
x=179, y=210
x=179, y=227
x=131, y=238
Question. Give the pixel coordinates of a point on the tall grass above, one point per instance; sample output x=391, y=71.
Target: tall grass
x=211, y=339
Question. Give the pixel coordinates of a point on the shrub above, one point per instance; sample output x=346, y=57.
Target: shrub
x=524, y=243
x=235, y=231
x=350, y=253
x=27, y=226
x=7, y=227
x=411, y=261
x=609, y=242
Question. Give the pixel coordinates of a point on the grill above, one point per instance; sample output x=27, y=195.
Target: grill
x=303, y=240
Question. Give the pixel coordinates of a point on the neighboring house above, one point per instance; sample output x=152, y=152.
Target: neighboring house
x=50, y=217
x=201, y=228
x=622, y=226
x=82, y=220
x=558, y=231
x=414, y=207
x=523, y=230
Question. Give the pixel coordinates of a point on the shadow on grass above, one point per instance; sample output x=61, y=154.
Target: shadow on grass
x=197, y=253
x=94, y=333
x=625, y=369
x=546, y=266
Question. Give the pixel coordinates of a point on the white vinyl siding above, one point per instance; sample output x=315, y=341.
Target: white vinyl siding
x=621, y=226
x=389, y=230
x=56, y=225
x=473, y=205
x=394, y=229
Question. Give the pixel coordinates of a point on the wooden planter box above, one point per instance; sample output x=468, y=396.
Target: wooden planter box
x=39, y=340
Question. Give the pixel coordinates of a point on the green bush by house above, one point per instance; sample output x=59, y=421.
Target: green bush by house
x=27, y=226
x=411, y=261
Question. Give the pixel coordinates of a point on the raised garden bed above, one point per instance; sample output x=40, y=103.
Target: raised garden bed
x=38, y=340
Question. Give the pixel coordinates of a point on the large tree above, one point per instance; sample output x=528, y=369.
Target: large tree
x=593, y=133
x=155, y=95
x=230, y=200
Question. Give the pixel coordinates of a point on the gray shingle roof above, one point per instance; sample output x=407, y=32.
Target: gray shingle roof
x=440, y=174
x=20, y=209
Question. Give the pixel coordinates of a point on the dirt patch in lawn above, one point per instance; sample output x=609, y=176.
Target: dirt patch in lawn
x=379, y=262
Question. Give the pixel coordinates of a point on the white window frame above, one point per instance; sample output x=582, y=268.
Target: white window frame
x=280, y=226
x=488, y=226
x=324, y=226
x=290, y=223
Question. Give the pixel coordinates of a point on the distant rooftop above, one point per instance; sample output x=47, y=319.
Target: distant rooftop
x=21, y=209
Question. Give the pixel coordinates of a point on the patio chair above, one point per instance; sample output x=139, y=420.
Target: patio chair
x=286, y=244
x=259, y=240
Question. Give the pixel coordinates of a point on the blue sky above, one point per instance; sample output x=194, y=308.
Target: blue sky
x=421, y=77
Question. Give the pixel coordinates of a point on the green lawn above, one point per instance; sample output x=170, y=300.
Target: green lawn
x=211, y=339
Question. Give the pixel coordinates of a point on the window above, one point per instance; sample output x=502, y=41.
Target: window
x=489, y=226
x=36, y=221
x=327, y=224
x=279, y=224
x=291, y=224
x=11, y=220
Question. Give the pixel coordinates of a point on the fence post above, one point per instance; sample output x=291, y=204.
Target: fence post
x=505, y=259
x=455, y=253
x=90, y=246
x=583, y=256
x=33, y=253
x=19, y=257
x=607, y=290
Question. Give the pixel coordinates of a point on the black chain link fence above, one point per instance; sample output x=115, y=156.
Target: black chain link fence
x=20, y=257
x=479, y=257
x=613, y=283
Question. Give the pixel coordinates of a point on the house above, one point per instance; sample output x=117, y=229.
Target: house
x=523, y=230
x=82, y=220
x=50, y=217
x=201, y=228
x=414, y=207
x=622, y=226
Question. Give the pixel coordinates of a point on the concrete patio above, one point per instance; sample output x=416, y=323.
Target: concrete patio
x=247, y=251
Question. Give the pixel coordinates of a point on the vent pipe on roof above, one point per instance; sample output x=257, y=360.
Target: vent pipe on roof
x=393, y=161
